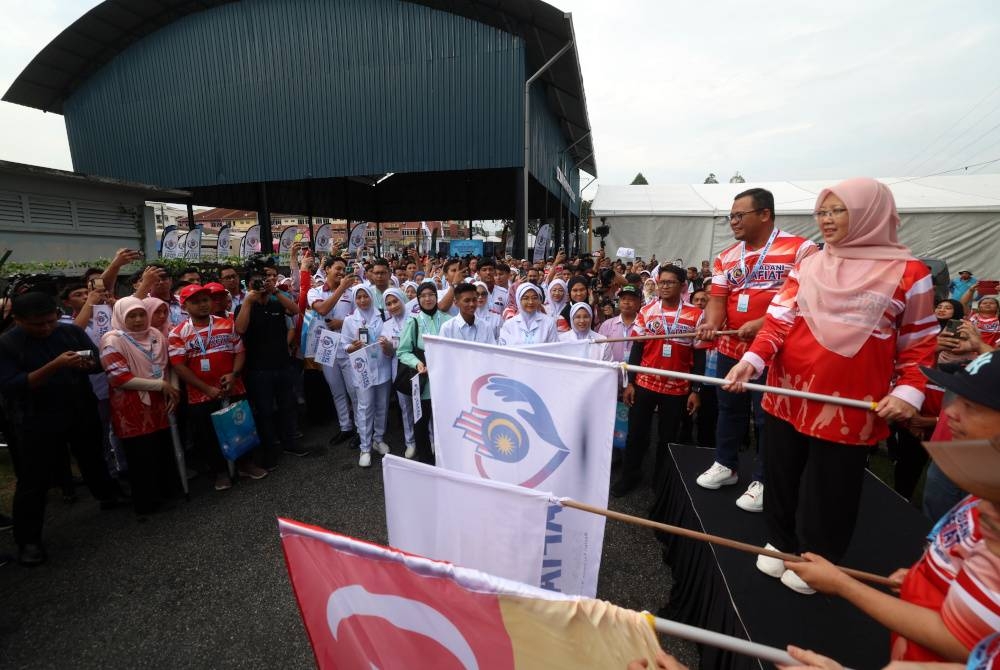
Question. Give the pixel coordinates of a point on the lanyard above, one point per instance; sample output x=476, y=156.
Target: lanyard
x=197, y=336
x=147, y=354
x=677, y=316
x=760, y=258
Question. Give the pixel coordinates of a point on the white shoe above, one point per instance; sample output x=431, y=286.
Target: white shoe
x=795, y=583
x=410, y=451
x=716, y=476
x=382, y=448
x=752, y=499
x=366, y=459
x=772, y=567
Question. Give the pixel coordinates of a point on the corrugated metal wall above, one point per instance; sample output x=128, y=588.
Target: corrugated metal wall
x=262, y=90
x=547, y=148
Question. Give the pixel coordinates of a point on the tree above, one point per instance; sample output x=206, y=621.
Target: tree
x=710, y=179
x=640, y=180
x=737, y=178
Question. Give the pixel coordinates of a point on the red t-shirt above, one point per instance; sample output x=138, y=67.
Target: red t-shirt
x=653, y=319
x=989, y=328
x=901, y=342
x=729, y=282
x=130, y=416
x=209, y=352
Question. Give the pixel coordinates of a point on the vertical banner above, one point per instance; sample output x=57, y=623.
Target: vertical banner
x=508, y=415
x=102, y=321
x=326, y=347
x=365, y=367
x=324, y=238
x=285, y=243
x=169, y=242
x=542, y=240
x=250, y=244
x=359, y=236
x=222, y=244
x=192, y=244
x=425, y=239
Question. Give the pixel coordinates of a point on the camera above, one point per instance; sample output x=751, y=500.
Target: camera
x=86, y=353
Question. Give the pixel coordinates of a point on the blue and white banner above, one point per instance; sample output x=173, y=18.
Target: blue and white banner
x=324, y=237
x=289, y=236
x=508, y=415
x=170, y=243
x=359, y=237
x=222, y=243
x=250, y=244
x=192, y=245
x=325, y=352
x=367, y=368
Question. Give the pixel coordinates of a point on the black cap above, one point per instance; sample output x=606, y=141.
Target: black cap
x=979, y=381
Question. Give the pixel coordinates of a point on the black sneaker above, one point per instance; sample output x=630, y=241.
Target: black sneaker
x=342, y=436
x=31, y=555
x=297, y=451
x=6, y=523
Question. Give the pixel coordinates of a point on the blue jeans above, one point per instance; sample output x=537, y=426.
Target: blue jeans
x=940, y=494
x=734, y=417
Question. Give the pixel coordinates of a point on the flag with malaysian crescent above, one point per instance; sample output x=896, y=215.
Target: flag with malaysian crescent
x=368, y=606
x=538, y=420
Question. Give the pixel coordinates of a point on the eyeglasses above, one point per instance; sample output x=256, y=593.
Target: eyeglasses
x=836, y=213
x=668, y=283
x=736, y=217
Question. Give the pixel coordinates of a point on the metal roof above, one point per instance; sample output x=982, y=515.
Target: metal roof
x=145, y=190
x=112, y=26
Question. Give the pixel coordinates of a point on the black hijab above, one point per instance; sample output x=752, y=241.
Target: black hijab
x=427, y=286
x=579, y=279
x=956, y=305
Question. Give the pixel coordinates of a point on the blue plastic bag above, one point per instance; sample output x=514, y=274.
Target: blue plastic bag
x=621, y=426
x=235, y=429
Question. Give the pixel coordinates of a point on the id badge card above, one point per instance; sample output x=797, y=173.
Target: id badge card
x=743, y=302
x=667, y=350
x=206, y=365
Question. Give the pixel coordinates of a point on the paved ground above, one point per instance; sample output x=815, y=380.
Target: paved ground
x=205, y=584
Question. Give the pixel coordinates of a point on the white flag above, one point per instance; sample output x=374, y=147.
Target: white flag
x=324, y=236
x=192, y=245
x=358, y=238
x=102, y=321
x=326, y=347
x=365, y=366
x=573, y=348
x=170, y=242
x=222, y=243
x=471, y=522
x=415, y=398
x=511, y=415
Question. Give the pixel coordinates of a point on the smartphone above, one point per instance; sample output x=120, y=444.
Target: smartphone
x=97, y=284
x=951, y=328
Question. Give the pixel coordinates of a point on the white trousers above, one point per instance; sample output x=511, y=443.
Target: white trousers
x=343, y=393
x=372, y=412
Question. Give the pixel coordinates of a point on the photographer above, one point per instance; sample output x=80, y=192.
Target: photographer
x=44, y=368
x=261, y=322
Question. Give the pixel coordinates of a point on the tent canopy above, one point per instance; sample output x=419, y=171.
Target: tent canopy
x=954, y=218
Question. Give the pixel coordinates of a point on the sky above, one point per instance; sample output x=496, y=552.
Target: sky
x=777, y=90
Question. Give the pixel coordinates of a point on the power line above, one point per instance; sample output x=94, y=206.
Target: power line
x=938, y=174
x=951, y=127
x=959, y=152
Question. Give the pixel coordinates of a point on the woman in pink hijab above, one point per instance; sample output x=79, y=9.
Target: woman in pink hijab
x=855, y=320
x=135, y=359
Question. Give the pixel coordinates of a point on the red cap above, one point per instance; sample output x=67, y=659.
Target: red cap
x=215, y=287
x=190, y=290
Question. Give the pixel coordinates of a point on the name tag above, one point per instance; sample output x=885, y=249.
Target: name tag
x=667, y=350
x=206, y=365
x=743, y=302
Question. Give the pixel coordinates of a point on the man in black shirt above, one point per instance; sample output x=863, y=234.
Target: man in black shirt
x=262, y=323
x=44, y=368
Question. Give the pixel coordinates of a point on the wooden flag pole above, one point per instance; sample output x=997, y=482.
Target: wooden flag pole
x=716, y=539
x=672, y=336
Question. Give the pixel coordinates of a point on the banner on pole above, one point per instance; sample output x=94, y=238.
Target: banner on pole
x=168, y=242
x=425, y=239
x=508, y=415
x=285, y=242
x=542, y=240
x=102, y=321
x=415, y=393
x=367, y=606
x=222, y=244
x=326, y=347
x=250, y=244
x=469, y=521
x=192, y=244
x=367, y=368
x=324, y=238
x=359, y=236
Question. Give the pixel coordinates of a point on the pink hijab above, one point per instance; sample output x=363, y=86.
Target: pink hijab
x=143, y=350
x=845, y=289
x=152, y=304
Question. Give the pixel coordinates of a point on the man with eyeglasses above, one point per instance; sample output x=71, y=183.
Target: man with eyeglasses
x=230, y=278
x=745, y=277
x=497, y=294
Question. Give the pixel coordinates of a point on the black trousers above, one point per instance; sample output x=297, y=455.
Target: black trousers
x=814, y=483
x=39, y=452
x=267, y=390
x=910, y=459
x=206, y=444
x=670, y=410
x=152, y=469
x=422, y=435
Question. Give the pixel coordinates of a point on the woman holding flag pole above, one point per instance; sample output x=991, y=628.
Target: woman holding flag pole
x=363, y=328
x=854, y=320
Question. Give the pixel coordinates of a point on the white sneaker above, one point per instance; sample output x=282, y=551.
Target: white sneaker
x=382, y=448
x=752, y=499
x=795, y=583
x=772, y=567
x=410, y=451
x=366, y=459
x=716, y=476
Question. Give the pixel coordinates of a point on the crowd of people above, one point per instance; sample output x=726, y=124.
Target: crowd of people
x=116, y=371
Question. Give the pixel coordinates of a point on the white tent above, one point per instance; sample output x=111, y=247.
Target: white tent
x=954, y=218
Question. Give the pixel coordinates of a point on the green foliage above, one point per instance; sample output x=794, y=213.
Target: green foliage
x=77, y=268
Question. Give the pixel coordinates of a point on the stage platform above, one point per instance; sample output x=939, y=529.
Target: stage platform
x=721, y=589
